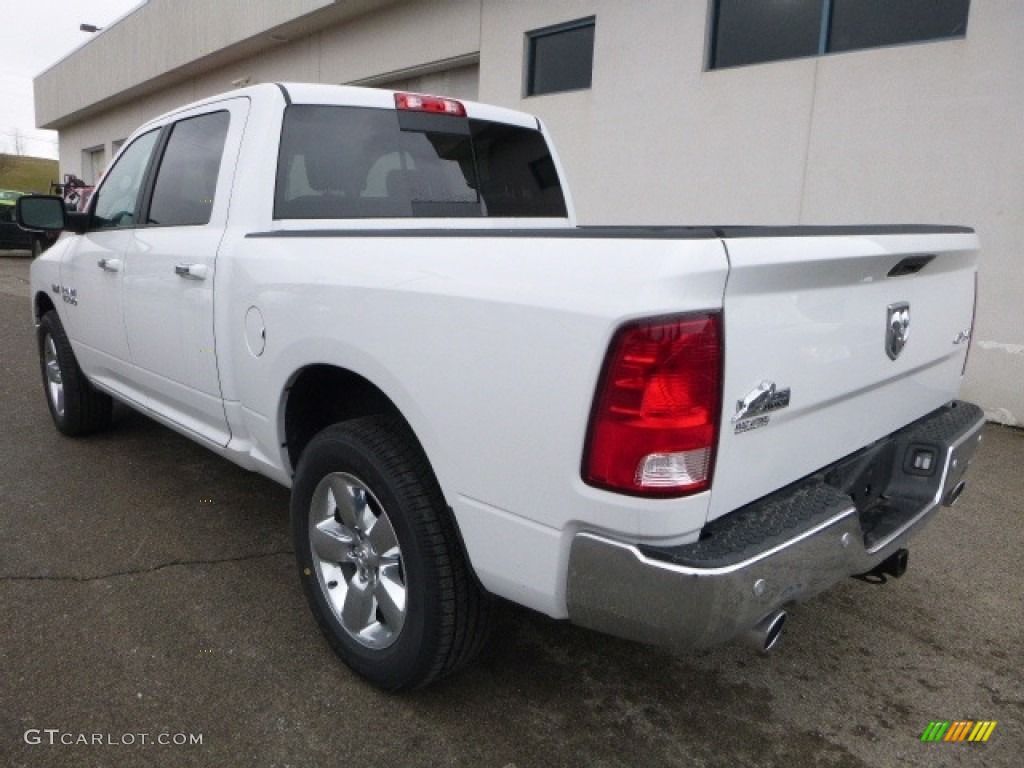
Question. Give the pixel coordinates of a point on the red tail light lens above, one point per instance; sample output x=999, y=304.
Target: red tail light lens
x=654, y=427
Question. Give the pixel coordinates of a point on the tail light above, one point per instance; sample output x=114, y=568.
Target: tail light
x=654, y=426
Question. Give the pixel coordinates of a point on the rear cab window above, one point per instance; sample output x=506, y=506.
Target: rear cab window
x=361, y=162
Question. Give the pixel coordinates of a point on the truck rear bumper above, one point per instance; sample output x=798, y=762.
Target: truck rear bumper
x=842, y=521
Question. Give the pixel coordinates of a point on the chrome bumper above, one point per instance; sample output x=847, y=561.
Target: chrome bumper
x=785, y=548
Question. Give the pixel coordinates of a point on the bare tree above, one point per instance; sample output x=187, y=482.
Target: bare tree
x=19, y=143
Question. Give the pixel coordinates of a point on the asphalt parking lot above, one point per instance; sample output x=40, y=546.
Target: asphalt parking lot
x=148, y=595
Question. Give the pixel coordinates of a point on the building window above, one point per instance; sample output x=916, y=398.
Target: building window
x=560, y=58
x=746, y=32
x=872, y=23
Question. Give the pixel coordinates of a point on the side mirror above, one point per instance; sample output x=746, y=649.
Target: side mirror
x=40, y=213
x=46, y=213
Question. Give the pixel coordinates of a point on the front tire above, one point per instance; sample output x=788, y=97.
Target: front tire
x=379, y=557
x=76, y=406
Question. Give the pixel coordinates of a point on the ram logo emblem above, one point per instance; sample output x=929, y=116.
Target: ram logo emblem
x=897, y=321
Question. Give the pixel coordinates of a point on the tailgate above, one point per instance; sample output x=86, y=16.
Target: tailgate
x=866, y=330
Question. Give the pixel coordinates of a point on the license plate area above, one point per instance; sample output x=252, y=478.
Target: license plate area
x=898, y=480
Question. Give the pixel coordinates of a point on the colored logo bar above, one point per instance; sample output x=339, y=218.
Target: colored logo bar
x=958, y=730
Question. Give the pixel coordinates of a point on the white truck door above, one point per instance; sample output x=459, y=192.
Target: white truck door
x=93, y=269
x=171, y=268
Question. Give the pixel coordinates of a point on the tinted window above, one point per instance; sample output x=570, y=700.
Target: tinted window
x=116, y=201
x=749, y=32
x=516, y=172
x=871, y=23
x=560, y=58
x=349, y=162
x=187, y=179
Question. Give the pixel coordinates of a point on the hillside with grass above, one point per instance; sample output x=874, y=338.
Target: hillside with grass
x=27, y=174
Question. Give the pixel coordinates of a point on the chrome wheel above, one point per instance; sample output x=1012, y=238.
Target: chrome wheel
x=54, y=378
x=358, y=561
x=379, y=556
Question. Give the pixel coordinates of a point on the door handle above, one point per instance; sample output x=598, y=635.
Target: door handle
x=192, y=271
x=109, y=265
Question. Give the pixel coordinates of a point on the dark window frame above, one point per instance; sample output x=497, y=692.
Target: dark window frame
x=530, y=54
x=825, y=38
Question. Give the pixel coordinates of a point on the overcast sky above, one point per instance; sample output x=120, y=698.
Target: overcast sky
x=34, y=35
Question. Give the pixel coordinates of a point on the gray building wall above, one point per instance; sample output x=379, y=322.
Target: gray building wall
x=925, y=133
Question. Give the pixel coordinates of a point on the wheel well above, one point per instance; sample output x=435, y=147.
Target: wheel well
x=43, y=304
x=322, y=395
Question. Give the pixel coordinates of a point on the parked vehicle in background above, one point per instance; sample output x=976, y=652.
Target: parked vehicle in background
x=384, y=302
x=72, y=190
x=13, y=237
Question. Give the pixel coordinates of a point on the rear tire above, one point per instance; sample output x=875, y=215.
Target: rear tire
x=76, y=406
x=380, y=559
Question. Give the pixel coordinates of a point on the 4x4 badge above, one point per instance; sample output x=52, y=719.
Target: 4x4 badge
x=897, y=321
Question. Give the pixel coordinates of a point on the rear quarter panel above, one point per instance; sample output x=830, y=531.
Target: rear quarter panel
x=491, y=347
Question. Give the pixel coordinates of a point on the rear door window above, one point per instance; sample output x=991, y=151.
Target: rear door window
x=187, y=180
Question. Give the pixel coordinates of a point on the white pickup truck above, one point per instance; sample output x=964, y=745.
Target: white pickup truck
x=383, y=301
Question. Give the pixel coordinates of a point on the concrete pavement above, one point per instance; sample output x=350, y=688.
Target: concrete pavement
x=148, y=593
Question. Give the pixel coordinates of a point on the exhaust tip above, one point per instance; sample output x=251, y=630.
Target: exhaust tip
x=765, y=635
